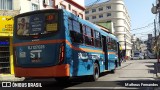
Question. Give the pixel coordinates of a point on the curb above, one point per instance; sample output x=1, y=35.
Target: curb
x=10, y=78
x=123, y=66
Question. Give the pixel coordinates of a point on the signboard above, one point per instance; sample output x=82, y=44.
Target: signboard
x=23, y=25
x=6, y=24
x=37, y=24
x=109, y=25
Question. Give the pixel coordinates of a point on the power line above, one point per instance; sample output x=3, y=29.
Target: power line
x=98, y=5
x=94, y=3
x=146, y=32
x=144, y=26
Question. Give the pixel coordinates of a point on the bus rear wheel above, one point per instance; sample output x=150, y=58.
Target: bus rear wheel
x=95, y=75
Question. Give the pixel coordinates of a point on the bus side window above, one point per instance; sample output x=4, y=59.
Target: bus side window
x=75, y=31
x=97, y=39
x=112, y=44
x=109, y=43
x=89, y=36
x=115, y=45
x=70, y=25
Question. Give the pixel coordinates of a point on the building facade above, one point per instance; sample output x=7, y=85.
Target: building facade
x=74, y=6
x=7, y=12
x=138, y=45
x=116, y=12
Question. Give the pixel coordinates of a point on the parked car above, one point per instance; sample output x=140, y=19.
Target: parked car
x=138, y=56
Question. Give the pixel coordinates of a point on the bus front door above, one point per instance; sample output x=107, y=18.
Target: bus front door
x=105, y=51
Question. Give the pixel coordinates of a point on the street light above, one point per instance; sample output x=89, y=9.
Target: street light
x=125, y=45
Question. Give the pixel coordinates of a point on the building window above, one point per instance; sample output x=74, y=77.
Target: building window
x=93, y=17
x=87, y=18
x=74, y=12
x=93, y=10
x=69, y=7
x=101, y=9
x=108, y=14
x=34, y=7
x=101, y=16
x=108, y=7
x=63, y=6
x=6, y=4
x=86, y=12
x=51, y=3
x=81, y=15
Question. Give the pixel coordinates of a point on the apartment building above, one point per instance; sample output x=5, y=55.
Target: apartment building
x=74, y=6
x=116, y=12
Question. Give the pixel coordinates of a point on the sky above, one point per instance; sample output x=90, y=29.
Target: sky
x=140, y=15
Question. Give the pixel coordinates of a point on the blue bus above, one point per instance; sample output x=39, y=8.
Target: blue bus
x=55, y=43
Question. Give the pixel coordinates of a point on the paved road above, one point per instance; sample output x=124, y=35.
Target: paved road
x=133, y=72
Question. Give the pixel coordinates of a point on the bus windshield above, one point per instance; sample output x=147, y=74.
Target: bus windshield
x=37, y=24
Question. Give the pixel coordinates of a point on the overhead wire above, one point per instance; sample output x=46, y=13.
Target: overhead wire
x=93, y=3
x=143, y=26
x=89, y=7
x=146, y=32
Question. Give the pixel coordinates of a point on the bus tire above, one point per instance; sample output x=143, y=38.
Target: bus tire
x=112, y=71
x=95, y=75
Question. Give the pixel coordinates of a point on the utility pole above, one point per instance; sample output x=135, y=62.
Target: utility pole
x=125, y=46
x=156, y=10
x=155, y=31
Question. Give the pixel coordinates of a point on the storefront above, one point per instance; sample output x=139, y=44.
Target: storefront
x=6, y=52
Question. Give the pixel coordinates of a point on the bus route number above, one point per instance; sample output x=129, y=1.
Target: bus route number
x=35, y=55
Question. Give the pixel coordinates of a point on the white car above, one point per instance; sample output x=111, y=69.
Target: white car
x=138, y=56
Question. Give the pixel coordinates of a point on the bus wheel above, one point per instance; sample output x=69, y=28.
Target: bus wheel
x=95, y=72
x=112, y=71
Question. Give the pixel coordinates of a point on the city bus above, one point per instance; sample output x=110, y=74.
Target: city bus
x=55, y=43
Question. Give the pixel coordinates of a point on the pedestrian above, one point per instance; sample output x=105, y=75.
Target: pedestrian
x=122, y=56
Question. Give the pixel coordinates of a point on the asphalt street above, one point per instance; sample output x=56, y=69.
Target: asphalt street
x=132, y=74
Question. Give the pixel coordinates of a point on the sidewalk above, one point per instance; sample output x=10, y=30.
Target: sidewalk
x=157, y=67
x=124, y=64
x=9, y=77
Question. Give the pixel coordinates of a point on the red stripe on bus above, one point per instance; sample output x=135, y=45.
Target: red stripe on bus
x=57, y=41
x=53, y=71
x=111, y=52
x=83, y=49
